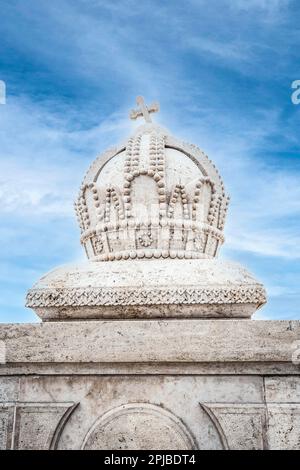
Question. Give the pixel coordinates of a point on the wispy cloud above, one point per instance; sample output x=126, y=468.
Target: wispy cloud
x=43, y=157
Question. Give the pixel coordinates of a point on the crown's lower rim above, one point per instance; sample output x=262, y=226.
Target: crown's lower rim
x=198, y=241
x=151, y=253
x=162, y=224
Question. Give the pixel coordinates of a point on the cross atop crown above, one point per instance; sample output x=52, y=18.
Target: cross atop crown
x=143, y=110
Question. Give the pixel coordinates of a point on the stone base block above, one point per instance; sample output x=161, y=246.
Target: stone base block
x=177, y=384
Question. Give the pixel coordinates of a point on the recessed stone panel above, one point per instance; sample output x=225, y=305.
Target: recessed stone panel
x=139, y=426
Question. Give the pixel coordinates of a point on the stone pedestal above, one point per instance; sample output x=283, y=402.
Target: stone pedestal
x=195, y=288
x=151, y=384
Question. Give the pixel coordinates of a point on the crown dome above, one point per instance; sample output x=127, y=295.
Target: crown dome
x=154, y=196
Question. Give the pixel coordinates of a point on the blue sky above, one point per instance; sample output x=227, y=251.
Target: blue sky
x=222, y=71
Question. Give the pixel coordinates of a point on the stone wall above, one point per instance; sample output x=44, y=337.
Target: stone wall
x=171, y=384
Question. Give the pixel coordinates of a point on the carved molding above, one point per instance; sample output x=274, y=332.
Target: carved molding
x=60, y=427
x=78, y=297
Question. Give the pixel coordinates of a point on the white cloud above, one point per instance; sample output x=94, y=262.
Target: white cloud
x=273, y=242
x=233, y=50
x=264, y=211
x=43, y=160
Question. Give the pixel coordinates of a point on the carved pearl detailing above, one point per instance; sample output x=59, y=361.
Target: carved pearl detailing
x=185, y=218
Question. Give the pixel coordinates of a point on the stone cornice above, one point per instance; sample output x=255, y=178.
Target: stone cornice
x=78, y=297
x=152, y=341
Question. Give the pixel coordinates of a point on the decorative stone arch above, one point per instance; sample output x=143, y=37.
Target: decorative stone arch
x=133, y=180
x=139, y=426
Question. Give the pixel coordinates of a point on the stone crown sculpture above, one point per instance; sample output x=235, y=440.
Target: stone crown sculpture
x=154, y=210
x=153, y=197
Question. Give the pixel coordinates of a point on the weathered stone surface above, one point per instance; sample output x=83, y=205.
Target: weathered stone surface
x=142, y=289
x=283, y=389
x=138, y=426
x=6, y=425
x=152, y=384
x=151, y=341
x=284, y=426
x=240, y=426
x=32, y=425
x=9, y=390
x=171, y=402
x=166, y=411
